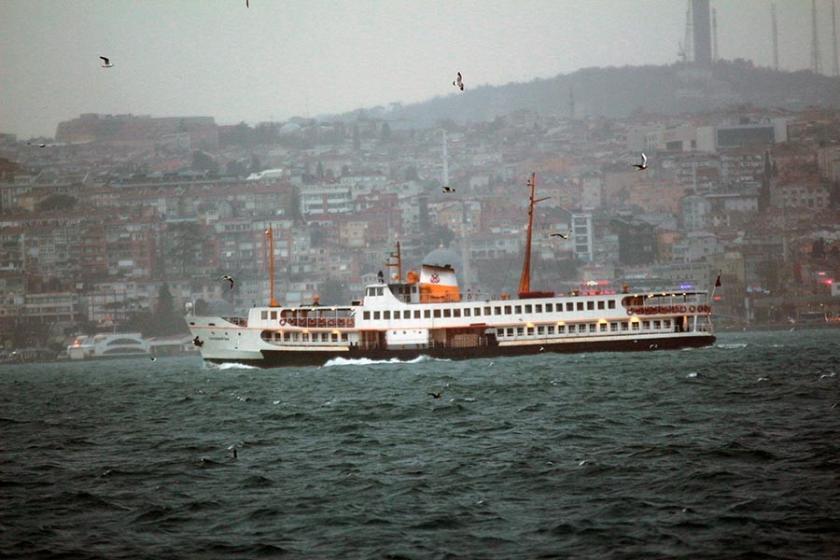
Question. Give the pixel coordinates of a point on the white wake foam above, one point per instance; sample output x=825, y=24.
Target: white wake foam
x=368, y=362
x=731, y=346
x=229, y=365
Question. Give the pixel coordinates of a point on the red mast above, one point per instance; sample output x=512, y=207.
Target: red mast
x=525, y=279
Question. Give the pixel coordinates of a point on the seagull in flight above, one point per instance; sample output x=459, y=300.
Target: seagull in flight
x=229, y=280
x=560, y=235
x=106, y=62
x=459, y=82
x=642, y=166
x=448, y=189
x=436, y=395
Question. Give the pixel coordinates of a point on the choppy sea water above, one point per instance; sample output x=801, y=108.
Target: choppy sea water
x=726, y=452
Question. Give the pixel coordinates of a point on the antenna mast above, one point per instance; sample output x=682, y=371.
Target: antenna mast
x=714, y=35
x=834, y=36
x=269, y=236
x=775, y=37
x=525, y=279
x=816, y=63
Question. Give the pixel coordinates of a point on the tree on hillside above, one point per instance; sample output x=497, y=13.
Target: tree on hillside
x=202, y=161
x=57, y=202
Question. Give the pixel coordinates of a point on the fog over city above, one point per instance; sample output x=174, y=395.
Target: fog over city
x=146, y=149
x=276, y=60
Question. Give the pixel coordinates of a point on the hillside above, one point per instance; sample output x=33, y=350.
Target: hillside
x=618, y=92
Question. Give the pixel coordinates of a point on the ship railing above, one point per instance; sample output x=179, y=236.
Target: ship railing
x=322, y=323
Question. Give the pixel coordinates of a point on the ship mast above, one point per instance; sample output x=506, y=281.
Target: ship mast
x=525, y=279
x=396, y=263
x=269, y=235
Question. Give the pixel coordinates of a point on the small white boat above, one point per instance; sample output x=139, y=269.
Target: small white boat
x=108, y=345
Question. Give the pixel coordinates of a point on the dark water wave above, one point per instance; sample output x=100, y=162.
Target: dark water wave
x=726, y=452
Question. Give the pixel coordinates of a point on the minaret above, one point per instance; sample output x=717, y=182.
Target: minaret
x=775, y=31
x=445, y=176
x=816, y=63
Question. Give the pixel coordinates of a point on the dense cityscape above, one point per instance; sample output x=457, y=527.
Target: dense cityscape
x=123, y=220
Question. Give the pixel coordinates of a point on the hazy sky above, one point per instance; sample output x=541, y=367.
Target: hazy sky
x=304, y=57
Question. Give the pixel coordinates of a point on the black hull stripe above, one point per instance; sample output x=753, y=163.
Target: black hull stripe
x=281, y=358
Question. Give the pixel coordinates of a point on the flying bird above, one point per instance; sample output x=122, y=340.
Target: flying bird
x=642, y=166
x=229, y=280
x=106, y=62
x=436, y=395
x=459, y=82
x=198, y=342
x=560, y=235
x=448, y=189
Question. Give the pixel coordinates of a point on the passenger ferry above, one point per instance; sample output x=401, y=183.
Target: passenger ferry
x=426, y=315
x=110, y=345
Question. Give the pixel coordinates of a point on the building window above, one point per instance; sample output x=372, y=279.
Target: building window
x=264, y=315
x=447, y=313
x=590, y=305
x=437, y=313
x=600, y=305
x=366, y=315
x=376, y=315
x=611, y=304
x=386, y=315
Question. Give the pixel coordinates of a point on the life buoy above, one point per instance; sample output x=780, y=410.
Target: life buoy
x=282, y=322
x=691, y=309
x=629, y=312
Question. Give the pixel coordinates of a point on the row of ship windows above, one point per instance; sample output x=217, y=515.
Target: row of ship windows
x=305, y=337
x=489, y=310
x=584, y=328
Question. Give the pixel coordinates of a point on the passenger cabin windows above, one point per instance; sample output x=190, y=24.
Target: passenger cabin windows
x=611, y=304
x=549, y=308
x=457, y=312
x=264, y=315
x=467, y=312
x=376, y=315
x=416, y=313
x=366, y=315
x=386, y=315
x=447, y=313
x=570, y=306
x=477, y=312
x=507, y=310
x=437, y=313
x=537, y=308
x=600, y=305
x=518, y=309
x=580, y=306
x=590, y=305
x=427, y=314
x=528, y=309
